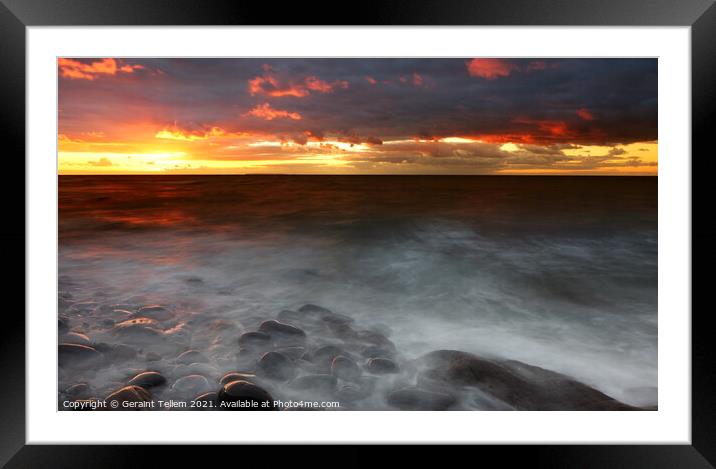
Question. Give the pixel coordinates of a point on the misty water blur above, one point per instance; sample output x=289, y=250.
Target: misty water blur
x=558, y=272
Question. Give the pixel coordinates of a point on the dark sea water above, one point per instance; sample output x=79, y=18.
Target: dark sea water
x=557, y=272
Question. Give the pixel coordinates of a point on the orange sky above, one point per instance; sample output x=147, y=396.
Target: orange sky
x=357, y=116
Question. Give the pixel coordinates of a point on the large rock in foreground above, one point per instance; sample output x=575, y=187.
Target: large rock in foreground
x=522, y=386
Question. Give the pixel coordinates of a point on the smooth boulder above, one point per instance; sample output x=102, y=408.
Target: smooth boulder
x=522, y=386
x=276, y=366
x=419, y=399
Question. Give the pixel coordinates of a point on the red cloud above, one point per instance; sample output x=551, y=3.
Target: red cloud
x=266, y=112
x=74, y=69
x=316, y=84
x=270, y=85
x=371, y=80
x=490, y=69
x=417, y=80
x=585, y=114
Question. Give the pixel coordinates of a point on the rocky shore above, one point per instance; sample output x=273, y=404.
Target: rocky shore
x=137, y=355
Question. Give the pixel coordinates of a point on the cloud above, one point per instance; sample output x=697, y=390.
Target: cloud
x=101, y=162
x=176, y=133
x=75, y=69
x=266, y=112
x=585, y=114
x=270, y=85
x=490, y=69
x=204, y=108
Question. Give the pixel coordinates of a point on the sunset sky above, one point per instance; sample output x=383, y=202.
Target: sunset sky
x=358, y=116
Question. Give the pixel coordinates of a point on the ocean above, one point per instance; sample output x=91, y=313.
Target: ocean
x=558, y=272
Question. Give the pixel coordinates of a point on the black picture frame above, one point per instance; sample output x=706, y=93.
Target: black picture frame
x=17, y=15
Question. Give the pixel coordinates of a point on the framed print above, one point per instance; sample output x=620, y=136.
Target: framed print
x=446, y=224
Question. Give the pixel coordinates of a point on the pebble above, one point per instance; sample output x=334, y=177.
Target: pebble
x=275, y=365
x=206, y=401
x=236, y=376
x=153, y=357
x=79, y=391
x=75, y=354
x=129, y=394
x=323, y=356
x=137, y=329
x=76, y=338
x=289, y=316
x=242, y=395
x=325, y=314
x=345, y=368
x=191, y=356
x=156, y=312
x=381, y=366
x=419, y=399
x=148, y=380
x=254, y=339
x=191, y=385
x=282, y=332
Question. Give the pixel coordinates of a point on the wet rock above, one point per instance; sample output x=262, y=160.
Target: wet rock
x=323, y=356
x=242, y=395
x=282, y=332
x=148, y=380
x=522, y=386
x=76, y=338
x=191, y=385
x=321, y=383
x=79, y=391
x=290, y=316
x=377, y=339
x=275, y=365
x=137, y=329
x=108, y=322
x=153, y=357
x=254, y=339
x=342, y=330
x=236, y=376
x=129, y=398
x=77, y=355
x=419, y=399
x=191, y=356
x=156, y=312
x=324, y=314
x=345, y=368
x=206, y=401
x=121, y=314
x=381, y=366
